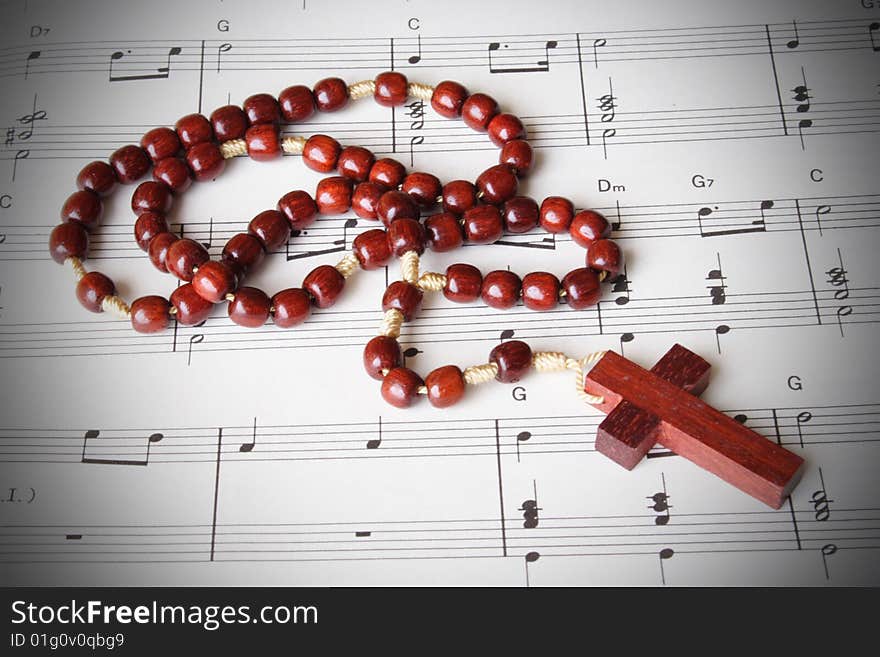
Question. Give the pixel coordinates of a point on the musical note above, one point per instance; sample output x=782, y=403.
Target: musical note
x=598, y=43
x=794, y=43
x=222, y=48
x=363, y=534
x=197, y=338
x=741, y=418
x=820, y=501
x=721, y=329
x=2, y=238
x=624, y=339
x=415, y=59
x=717, y=292
x=73, y=537
x=607, y=106
x=530, y=510
x=621, y=286
x=661, y=504
x=22, y=154
x=802, y=418
x=35, y=54
x=802, y=96
x=94, y=434
x=837, y=278
x=506, y=334
x=374, y=443
x=530, y=557
x=616, y=225
x=337, y=245
x=664, y=554
x=161, y=73
x=530, y=241
x=249, y=447
x=410, y=352
x=820, y=210
x=540, y=66
x=827, y=550
x=705, y=216
x=521, y=437
x=872, y=29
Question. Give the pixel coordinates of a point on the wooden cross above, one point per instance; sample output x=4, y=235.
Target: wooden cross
x=661, y=406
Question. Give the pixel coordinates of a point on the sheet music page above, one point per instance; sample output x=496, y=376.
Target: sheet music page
x=733, y=146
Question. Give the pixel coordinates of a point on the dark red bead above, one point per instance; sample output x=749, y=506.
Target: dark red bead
x=263, y=142
x=396, y=205
x=504, y=128
x=333, y=195
x=445, y=386
x=249, y=307
x=191, y=308
x=390, y=89
x=372, y=249
x=443, y=232
x=160, y=143
x=459, y=196
x=243, y=252
x=98, y=177
x=262, y=109
x=581, y=288
x=320, y=153
x=158, y=247
x=355, y=162
x=91, y=290
x=325, y=284
x=388, y=172
x=229, y=122
x=463, y=283
x=401, y=386
x=206, y=161
x=447, y=99
x=520, y=214
x=272, y=228
x=214, y=280
x=513, y=359
x=605, y=255
x=151, y=196
x=299, y=208
x=403, y=296
x=297, y=103
x=68, y=240
x=483, y=225
x=501, y=289
x=83, y=207
x=588, y=226
x=194, y=129
x=556, y=214
x=129, y=163
x=540, y=290
x=497, y=184
x=365, y=199
x=147, y=226
x=291, y=307
x=406, y=235
x=478, y=110
x=381, y=355
x=330, y=94
x=174, y=173
x=517, y=154
x=184, y=256
x=150, y=314
x=423, y=187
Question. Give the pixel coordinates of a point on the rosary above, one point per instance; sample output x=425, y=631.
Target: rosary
x=644, y=408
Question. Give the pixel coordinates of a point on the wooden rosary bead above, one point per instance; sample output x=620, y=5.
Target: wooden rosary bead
x=193, y=129
x=158, y=247
x=184, y=256
x=263, y=142
x=365, y=199
x=320, y=153
x=83, y=207
x=401, y=386
x=388, y=172
x=174, y=173
x=403, y=296
x=443, y=232
x=540, y=290
x=513, y=359
x=504, y=128
x=556, y=214
x=517, y=154
x=390, y=89
x=406, y=235
x=229, y=122
x=382, y=353
x=98, y=177
x=150, y=314
x=478, y=110
x=191, y=308
x=463, y=283
x=355, y=162
x=297, y=103
x=272, y=228
x=129, y=163
x=423, y=187
x=520, y=214
x=214, y=280
x=459, y=196
x=582, y=288
x=160, y=143
x=91, y=290
x=151, y=196
x=588, y=226
x=68, y=240
x=605, y=255
x=330, y=94
x=299, y=208
x=501, y=289
x=497, y=184
x=448, y=98
x=206, y=161
x=262, y=109
x=483, y=224
x=147, y=226
x=445, y=386
x=396, y=205
x=243, y=252
x=371, y=248
x=249, y=307
x=325, y=284
x=333, y=195
x=291, y=307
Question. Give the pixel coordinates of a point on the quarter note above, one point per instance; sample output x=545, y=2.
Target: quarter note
x=721, y=329
x=794, y=43
x=664, y=554
x=625, y=338
x=506, y=334
x=621, y=286
x=222, y=48
x=374, y=443
x=530, y=557
x=249, y=447
x=415, y=59
x=35, y=54
x=521, y=437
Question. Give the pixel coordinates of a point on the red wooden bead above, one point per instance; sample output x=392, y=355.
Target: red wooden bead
x=98, y=177
x=382, y=353
x=445, y=386
x=299, y=208
x=91, y=290
x=556, y=214
x=517, y=154
x=184, y=256
x=388, y=172
x=478, y=110
x=605, y=255
x=320, y=153
x=150, y=314
x=229, y=122
x=174, y=173
x=498, y=184
x=447, y=99
x=325, y=284
x=68, y=240
x=151, y=196
x=406, y=235
x=160, y=143
x=331, y=94
x=214, y=280
x=372, y=249
x=504, y=128
x=263, y=142
x=333, y=195
x=243, y=252
x=423, y=187
x=272, y=228
x=540, y=290
x=520, y=214
x=390, y=89
x=581, y=288
x=501, y=289
x=401, y=386
x=355, y=162
x=463, y=283
x=206, y=161
x=157, y=249
x=443, y=232
x=83, y=207
x=513, y=359
x=403, y=296
x=297, y=103
x=365, y=199
x=262, y=109
x=129, y=163
x=483, y=224
x=191, y=308
x=249, y=307
x=193, y=129
x=588, y=226
x=459, y=196
x=396, y=205
x=147, y=226
x=291, y=307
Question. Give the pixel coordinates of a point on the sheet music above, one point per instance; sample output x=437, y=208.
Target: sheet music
x=732, y=145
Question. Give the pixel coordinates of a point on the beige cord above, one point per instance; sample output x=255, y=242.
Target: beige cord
x=555, y=361
x=391, y=323
x=431, y=281
x=477, y=374
x=76, y=267
x=233, y=148
x=409, y=267
x=348, y=265
x=114, y=305
x=293, y=145
x=362, y=89
x=420, y=91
